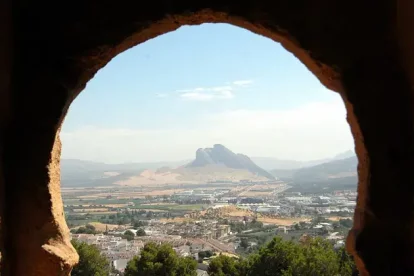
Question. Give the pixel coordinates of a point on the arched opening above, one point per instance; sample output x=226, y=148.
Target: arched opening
x=349, y=48
x=251, y=96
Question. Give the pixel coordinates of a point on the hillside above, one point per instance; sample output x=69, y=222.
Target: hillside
x=334, y=169
x=342, y=165
x=81, y=173
x=219, y=155
x=337, y=174
x=271, y=163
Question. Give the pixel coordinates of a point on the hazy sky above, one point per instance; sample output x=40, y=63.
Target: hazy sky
x=199, y=86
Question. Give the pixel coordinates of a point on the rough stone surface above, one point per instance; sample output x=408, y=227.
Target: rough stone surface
x=361, y=49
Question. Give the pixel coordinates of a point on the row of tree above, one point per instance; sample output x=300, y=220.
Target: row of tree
x=312, y=256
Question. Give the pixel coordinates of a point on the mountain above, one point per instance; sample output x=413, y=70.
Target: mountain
x=81, y=173
x=343, y=155
x=211, y=164
x=329, y=176
x=334, y=169
x=215, y=164
x=270, y=163
x=219, y=155
x=328, y=170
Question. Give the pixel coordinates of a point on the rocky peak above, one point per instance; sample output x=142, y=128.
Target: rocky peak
x=220, y=155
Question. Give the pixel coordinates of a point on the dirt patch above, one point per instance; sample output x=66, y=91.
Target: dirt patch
x=283, y=221
x=336, y=218
x=256, y=193
x=176, y=220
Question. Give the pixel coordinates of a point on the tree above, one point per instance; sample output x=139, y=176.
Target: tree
x=244, y=243
x=312, y=256
x=346, y=223
x=346, y=263
x=274, y=259
x=139, y=223
x=205, y=254
x=316, y=257
x=88, y=229
x=224, y=266
x=160, y=260
x=129, y=235
x=141, y=232
x=186, y=266
x=91, y=262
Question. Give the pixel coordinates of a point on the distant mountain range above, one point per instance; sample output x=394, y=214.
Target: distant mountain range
x=328, y=170
x=75, y=172
x=210, y=164
x=269, y=163
x=332, y=175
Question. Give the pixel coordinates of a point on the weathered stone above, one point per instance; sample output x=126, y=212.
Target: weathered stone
x=361, y=49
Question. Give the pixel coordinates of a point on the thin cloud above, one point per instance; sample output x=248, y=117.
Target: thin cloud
x=161, y=95
x=208, y=93
x=242, y=82
x=196, y=96
x=199, y=96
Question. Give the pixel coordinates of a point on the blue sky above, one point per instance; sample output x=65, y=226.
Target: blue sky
x=201, y=85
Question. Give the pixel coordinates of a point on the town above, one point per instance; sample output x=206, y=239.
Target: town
x=203, y=221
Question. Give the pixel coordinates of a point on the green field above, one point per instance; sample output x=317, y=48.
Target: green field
x=100, y=201
x=190, y=207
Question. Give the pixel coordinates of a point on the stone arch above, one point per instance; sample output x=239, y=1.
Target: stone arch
x=348, y=46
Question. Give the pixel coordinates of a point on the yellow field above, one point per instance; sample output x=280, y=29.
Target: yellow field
x=102, y=227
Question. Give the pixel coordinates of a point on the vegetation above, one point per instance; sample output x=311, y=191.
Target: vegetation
x=348, y=223
x=141, y=232
x=160, y=260
x=88, y=229
x=140, y=223
x=226, y=266
x=313, y=256
x=129, y=235
x=204, y=254
x=90, y=261
x=239, y=227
